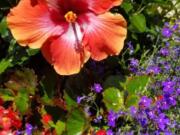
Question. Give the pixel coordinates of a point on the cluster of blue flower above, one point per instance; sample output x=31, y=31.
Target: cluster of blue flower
x=152, y=112
x=164, y=65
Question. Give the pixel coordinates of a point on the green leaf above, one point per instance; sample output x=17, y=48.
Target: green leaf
x=76, y=122
x=131, y=100
x=113, y=99
x=25, y=78
x=22, y=101
x=70, y=103
x=46, y=100
x=138, y=22
x=3, y=28
x=127, y=6
x=6, y=94
x=136, y=84
x=32, y=52
x=60, y=127
x=4, y=64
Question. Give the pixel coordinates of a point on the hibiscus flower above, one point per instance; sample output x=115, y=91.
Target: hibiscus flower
x=69, y=32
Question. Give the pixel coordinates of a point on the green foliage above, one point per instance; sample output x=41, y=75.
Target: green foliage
x=138, y=23
x=6, y=94
x=22, y=101
x=76, y=122
x=113, y=99
x=136, y=84
x=120, y=93
x=4, y=64
x=70, y=103
x=3, y=28
x=60, y=127
x=131, y=100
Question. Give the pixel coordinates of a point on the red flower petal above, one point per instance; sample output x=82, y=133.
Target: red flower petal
x=101, y=132
x=101, y=6
x=105, y=35
x=32, y=23
x=46, y=118
x=65, y=54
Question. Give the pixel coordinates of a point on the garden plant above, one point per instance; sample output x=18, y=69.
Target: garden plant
x=89, y=67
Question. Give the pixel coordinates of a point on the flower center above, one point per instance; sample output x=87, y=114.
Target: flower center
x=70, y=16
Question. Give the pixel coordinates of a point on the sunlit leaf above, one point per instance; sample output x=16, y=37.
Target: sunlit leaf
x=60, y=127
x=6, y=94
x=22, y=101
x=113, y=99
x=136, y=84
x=76, y=122
x=131, y=100
x=4, y=64
x=138, y=22
x=70, y=103
x=3, y=28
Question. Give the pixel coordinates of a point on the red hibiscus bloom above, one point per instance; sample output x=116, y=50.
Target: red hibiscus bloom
x=69, y=32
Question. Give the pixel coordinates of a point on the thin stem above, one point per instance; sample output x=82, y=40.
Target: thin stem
x=78, y=44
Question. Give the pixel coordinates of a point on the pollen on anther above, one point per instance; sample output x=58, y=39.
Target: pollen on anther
x=70, y=16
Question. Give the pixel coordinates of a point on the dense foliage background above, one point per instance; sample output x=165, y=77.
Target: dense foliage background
x=136, y=92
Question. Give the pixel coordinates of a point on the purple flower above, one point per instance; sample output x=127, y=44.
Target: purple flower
x=168, y=86
x=167, y=44
x=134, y=62
x=167, y=133
x=143, y=121
x=171, y=100
x=166, y=32
x=109, y=132
x=29, y=129
x=164, y=51
x=173, y=124
x=129, y=133
x=166, y=24
x=164, y=105
x=133, y=111
x=167, y=66
x=175, y=26
x=153, y=69
x=98, y=119
x=112, y=116
x=130, y=47
x=162, y=121
x=177, y=69
x=79, y=99
x=145, y=102
x=19, y=133
x=150, y=114
x=157, y=132
x=97, y=87
x=134, y=65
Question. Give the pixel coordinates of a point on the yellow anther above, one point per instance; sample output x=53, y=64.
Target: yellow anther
x=70, y=16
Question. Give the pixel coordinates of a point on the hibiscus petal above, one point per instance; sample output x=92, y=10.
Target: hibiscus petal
x=32, y=23
x=65, y=54
x=102, y=6
x=105, y=35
